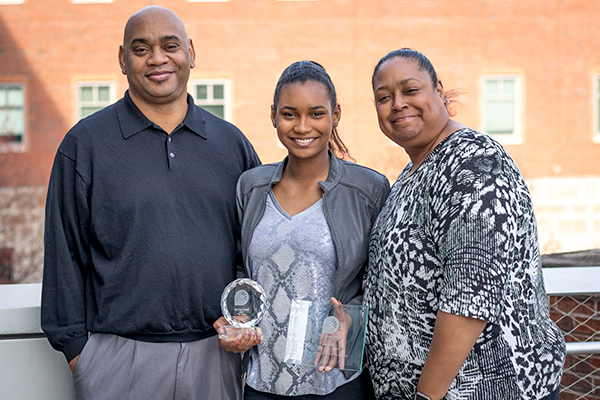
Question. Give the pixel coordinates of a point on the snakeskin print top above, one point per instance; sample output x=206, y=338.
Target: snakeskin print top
x=292, y=258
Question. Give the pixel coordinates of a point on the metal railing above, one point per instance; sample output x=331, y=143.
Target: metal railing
x=575, y=307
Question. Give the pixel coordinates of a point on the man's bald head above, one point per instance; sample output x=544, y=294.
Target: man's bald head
x=149, y=14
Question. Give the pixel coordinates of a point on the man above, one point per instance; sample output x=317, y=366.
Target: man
x=141, y=231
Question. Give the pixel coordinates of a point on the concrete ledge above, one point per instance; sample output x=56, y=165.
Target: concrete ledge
x=20, y=309
x=572, y=280
x=30, y=368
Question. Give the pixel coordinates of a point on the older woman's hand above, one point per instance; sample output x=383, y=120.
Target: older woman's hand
x=453, y=339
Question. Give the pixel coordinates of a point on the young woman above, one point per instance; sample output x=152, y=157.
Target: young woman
x=305, y=229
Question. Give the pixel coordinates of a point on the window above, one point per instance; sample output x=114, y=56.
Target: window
x=502, y=108
x=214, y=96
x=597, y=108
x=94, y=96
x=92, y=1
x=12, y=113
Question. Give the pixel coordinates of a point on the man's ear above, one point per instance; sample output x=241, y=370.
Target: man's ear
x=122, y=57
x=192, y=54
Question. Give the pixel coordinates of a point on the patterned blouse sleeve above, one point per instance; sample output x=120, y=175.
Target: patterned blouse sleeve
x=474, y=221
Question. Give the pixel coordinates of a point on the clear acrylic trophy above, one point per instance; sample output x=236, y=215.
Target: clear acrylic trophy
x=322, y=334
x=243, y=304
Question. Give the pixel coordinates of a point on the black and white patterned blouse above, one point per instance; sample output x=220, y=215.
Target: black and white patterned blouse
x=459, y=235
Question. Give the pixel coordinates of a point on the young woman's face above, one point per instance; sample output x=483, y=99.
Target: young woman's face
x=410, y=109
x=304, y=118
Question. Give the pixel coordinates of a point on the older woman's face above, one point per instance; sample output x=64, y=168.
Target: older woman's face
x=410, y=109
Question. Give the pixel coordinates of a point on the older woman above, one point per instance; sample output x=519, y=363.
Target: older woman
x=457, y=303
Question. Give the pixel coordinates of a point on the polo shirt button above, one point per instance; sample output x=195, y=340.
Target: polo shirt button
x=172, y=155
x=169, y=139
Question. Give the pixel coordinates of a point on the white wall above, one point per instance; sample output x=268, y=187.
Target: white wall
x=567, y=212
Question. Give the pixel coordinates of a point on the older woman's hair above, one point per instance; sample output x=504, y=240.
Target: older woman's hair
x=424, y=63
x=310, y=71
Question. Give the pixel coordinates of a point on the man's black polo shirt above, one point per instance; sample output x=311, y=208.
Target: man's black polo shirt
x=141, y=227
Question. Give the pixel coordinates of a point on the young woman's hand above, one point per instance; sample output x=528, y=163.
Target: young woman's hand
x=242, y=343
x=332, y=345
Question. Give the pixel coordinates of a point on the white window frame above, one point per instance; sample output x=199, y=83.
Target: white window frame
x=16, y=147
x=596, y=108
x=226, y=102
x=517, y=136
x=92, y=1
x=95, y=103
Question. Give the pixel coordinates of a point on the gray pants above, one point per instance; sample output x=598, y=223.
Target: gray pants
x=115, y=368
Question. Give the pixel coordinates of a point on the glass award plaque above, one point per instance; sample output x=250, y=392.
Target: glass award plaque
x=321, y=334
x=243, y=305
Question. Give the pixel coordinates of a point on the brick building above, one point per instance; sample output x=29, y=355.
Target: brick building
x=528, y=73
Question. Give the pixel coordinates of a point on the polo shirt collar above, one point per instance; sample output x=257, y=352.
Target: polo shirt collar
x=133, y=121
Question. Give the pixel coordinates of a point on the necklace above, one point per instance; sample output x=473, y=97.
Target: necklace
x=432, y=146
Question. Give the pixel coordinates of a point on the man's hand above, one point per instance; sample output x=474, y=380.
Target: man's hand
x=332, y=346
x=242, y=343
x=73, y=362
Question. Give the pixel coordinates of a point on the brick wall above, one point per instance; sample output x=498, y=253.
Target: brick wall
x=552, y=44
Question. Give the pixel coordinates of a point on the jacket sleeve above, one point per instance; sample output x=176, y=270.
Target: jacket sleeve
x=252, y=161
x=63, y=316
x=383, y=189
x=239, y=201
